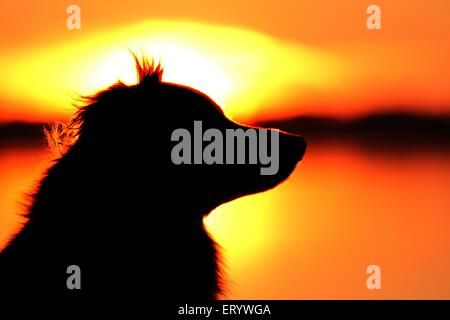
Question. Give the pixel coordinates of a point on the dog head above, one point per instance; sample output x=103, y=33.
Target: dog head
x=178, y=140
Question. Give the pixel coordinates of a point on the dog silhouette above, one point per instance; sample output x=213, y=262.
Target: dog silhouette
x=115, y=205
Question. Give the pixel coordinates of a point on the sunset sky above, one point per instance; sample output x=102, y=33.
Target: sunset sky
x=257, y=59
x=349, y=204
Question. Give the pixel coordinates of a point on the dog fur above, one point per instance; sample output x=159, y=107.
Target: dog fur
x=115, y=205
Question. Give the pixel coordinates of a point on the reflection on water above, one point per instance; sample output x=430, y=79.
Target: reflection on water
x=21, y=166
x=342, y=210
x=313, y=237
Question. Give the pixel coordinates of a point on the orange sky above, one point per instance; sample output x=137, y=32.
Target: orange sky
x=264, y=60
x=270, y=59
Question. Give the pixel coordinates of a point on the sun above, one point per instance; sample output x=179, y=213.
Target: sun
x=242, y=70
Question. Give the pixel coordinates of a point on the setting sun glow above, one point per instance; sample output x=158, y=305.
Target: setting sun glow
x=242, y=70
x=373, y=105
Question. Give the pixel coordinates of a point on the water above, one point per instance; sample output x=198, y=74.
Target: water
x=344, y=208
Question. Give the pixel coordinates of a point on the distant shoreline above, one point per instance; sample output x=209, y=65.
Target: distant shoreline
x=390, y=129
